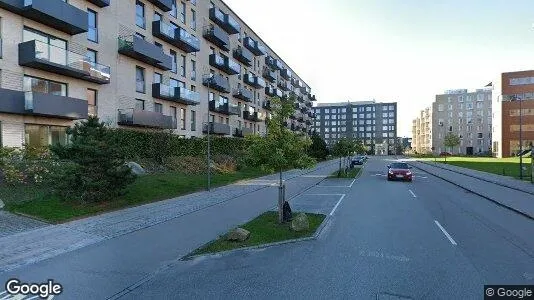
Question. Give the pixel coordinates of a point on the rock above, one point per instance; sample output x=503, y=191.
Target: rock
x=136, y=168
x=300, y=223
x=1, y=204
x=238, y=234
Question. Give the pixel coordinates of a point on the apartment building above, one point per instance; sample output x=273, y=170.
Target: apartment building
x=513, y=112
x=465, y=114
x=372, y=122
x=422, y=132
x=145, y=64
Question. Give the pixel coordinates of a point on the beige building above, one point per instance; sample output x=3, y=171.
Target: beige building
x=422, y=132
x=158, y=64
x=466, y=115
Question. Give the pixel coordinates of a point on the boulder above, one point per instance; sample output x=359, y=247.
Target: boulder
x=300, y=223
x=238, y=235
x=1, y=205
x=136, y=168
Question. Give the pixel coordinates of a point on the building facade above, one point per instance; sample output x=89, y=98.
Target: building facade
x=513, y=113
x=373, y=123
x=466, y=115
x=422, y=132
x=145, y=64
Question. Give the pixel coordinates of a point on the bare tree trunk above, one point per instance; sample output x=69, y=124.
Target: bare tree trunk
x=281, y=195
x=339, y=171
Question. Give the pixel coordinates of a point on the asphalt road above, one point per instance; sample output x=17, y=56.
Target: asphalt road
x=386, y=240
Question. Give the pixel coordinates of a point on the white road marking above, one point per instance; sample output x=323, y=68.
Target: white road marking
x=352, y=182
x=337, y=204
x=445, y=233
x=324, y=194
x=412, y=193
x=313, y=176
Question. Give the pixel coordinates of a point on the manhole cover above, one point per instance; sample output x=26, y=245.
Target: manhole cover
x=387, y=296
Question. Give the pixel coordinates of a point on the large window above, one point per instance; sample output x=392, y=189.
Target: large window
x=182, y=66
x=158, y=107
x=182, y=12
x=44, y=135
x=182, y=118
x=139, y=80
x=174, y=114
x=92, y=32
x=174, y=62
x=140, y=14
x=193, y=23
x=33, y=84
x=193, y=70
x=194, y=120
x=174, y=11
x=92, y=101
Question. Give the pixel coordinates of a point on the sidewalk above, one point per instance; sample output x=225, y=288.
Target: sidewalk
x=45, y=242
x=516, y=196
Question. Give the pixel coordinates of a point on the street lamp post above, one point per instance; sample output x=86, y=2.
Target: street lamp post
x=515, y=98
x=208, y=154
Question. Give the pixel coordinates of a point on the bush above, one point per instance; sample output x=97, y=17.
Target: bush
x=96, y=170
x=191, y=165
x=224, y=164
x=27, y=165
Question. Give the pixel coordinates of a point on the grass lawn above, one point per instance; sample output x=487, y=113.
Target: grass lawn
x=501, y=166
x=263, y=230
x=150, y=188
x=350, y=174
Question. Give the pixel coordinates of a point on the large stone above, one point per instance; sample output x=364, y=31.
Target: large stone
x=1, y=204
x=300, y=223
x=238, y=235
x=136, y=168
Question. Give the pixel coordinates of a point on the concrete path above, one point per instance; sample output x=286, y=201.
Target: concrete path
x=12, y=224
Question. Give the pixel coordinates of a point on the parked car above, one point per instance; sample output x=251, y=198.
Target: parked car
x=399, y=171
x=357, y=161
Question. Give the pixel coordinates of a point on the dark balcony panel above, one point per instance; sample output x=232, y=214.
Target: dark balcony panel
x=270, y=91
x=255, y=47
x=244, y=56
x=232, y=67
x=164, y=31
x=252, y=116
x=187, y=97
x=278, y=93
x=56, y=14
x=243, y=94
x=12, y=102
x=286, y=74
x=14, y=6
x=270, y=62
x=55, y=106
x=254, y=81
x=144, y=51
x=238, y=132
x=217, y=61
x=304, y=90
x=100, y=3
x=227, y=109
x=217, y=128
x=164, y=5
x=217, y=16
x=42, y=56
x=285, y=86
x=186, y=41
x=218, y=83
x=161, y=91
x=217, y=36
x=313, y=98
x=145, y=118
x=269, y=74
x=267, y=105
x=260, y=49
x=231, y=25
x=278, y=64
x=296, y=83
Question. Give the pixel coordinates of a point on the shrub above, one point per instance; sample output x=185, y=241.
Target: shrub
x=191, y=165
x=224, y=164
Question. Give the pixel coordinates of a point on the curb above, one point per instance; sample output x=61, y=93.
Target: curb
x=479, y=178
x=477, y=193
x=317, y=233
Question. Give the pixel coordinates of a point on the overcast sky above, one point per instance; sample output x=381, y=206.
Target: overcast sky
x=406, y=51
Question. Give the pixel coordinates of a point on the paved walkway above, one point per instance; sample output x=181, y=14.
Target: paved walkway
x=51, y=240
x=501, y=190
x=12, y=224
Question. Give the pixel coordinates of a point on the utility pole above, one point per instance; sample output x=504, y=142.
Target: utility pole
x=208, y=155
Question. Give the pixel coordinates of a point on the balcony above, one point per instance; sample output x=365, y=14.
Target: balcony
x=100, y=3
x=300, y=98
x=296, y=83
x=244, y=56
x=269, y=74
x=255, y=47
x=217, y=36
x=164, y=5
x=243, y=132
x=284, y=85
x=254, y=81
x=50, y=105
x=304, y=90
x=270, y=91
x=175, y=94
x=308, y=122
x=217, y=128
x=54, y=13
x=176, y=36
x=312, y=98
x=145, y=118
x=286, y=74
x=225, y=64
x=226, y=108
x=309, y=104
x=267, y=105
x=243, y=94
x=46, y=57
x=225, y=21
x=251, y=116
x=279, y=93
x=270, y=62
x=137, y=48
x=217, y=82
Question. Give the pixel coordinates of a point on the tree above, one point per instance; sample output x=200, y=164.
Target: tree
x=451, y=140
x=318, y=148
x=342, y=149
x=280, y=148
x=97, y=171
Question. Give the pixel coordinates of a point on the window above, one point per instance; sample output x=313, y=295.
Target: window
x=174, y=62
x=174, y=115
x=440, y=107
x=139, y=80
x=194, y=120
x=34, y=84
x=182, y=67
x=91, y=102
x=173, y=11
x=157, y=77
x=158, y=107
x=139, y=104
x=157, y=16
x=90, y=55
x=182, y=118
x=92, y=32
x=182, y=12
x=193, y=23
x=140, y=15
x=44, y=135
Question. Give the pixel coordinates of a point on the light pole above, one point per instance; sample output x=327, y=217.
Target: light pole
x=208, y=154
x=515, y=98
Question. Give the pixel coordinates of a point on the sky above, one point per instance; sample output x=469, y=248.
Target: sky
x=390, y=50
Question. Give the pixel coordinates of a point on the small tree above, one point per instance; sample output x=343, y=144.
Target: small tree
x=318, y=148
x=96, y=171
x=342, y=149
x=280, y=148
x=451, y=140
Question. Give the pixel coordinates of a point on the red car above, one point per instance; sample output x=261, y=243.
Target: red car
x=399, y=171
